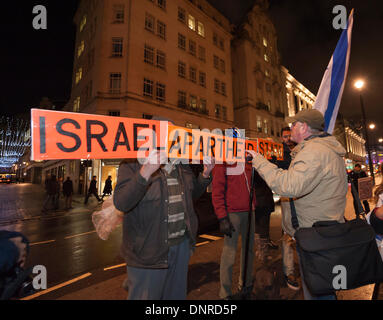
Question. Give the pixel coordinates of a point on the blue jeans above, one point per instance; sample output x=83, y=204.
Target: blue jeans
x=306, y=292
x=162, y=284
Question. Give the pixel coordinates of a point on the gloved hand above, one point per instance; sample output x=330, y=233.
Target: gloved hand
x=226, y=227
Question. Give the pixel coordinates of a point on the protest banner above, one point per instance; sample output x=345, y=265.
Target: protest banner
x=365, y=188
x=69, y=135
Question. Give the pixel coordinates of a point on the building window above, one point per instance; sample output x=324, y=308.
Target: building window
x=182, y=99
x=181, y=41
x=181, y=69
x=203, y=104
x=265, y=127
x=115, y=83
x=81, y=48
x=161, y=60
x=267, y=74
x=268, y=87
x=193, y=74
x=181, y=15
x=76, y=105
x=217, y=85
x=191, y=22
x=147, y=116
x=259, y=124
x=192, y=47
x=216, y=62
x=118, y=13
x=114, y=113
x=202, y=79
x=149, y=54
x=201, y=29
x=224, y=113
x=78, y=75
x=223, y=88
x=82, y=23
x=160, y=91
x=266, y=57
x=149, y=22
x=217, y=110
x=221, y=44
x=161, y=4
x=193, y=102
x=148, y=88
x=161, y=29
x=265, y=42
x=117, y=47
x=222, y=65
x=202, y=53
x=215, y=39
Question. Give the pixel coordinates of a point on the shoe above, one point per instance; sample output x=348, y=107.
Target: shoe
x=271, y=245
x=292, y=282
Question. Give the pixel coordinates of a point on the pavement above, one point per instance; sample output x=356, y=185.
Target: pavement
x=203, y=276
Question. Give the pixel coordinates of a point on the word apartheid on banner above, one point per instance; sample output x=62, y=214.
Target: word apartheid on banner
x=69, y=135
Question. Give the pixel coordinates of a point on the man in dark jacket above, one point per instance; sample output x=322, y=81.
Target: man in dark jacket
x=68, y=191
x=107, y=188
x=355, y=175
x=53, y=189
x=92, y=190
x=159, y=226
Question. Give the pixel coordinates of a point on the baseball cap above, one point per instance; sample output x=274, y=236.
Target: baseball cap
x=314, y=118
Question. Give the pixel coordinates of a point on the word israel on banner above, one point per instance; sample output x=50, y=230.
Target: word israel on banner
x=68, y=135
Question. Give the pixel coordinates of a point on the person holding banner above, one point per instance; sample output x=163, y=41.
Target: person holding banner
x=316, y=177
x=159, y=224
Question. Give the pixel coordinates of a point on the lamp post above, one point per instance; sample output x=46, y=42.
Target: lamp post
x=359, y=84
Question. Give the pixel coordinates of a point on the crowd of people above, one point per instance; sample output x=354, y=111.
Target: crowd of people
x=54, y=187
x=160, y=225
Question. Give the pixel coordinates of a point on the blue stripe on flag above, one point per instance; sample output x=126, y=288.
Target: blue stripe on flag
x=337, y=76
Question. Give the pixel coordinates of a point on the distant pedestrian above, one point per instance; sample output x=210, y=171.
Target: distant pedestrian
x=355, y=175
x=52, y=188
x=92, y=190
x=107, y=188
x=68, y=191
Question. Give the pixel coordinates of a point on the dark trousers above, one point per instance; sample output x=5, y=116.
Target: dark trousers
x=366, y=206
x=262, y=222
x=94, y=192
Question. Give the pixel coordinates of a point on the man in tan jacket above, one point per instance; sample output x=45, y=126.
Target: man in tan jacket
x=316, y=177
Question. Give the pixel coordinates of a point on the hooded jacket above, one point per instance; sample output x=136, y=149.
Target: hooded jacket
x=316, y=178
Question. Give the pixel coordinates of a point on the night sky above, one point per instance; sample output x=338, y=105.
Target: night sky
x=37, y=63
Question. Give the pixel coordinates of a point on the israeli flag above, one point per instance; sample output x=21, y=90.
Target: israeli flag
x=331, y=89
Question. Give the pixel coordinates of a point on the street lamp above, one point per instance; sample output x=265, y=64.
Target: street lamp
x=372, y=126
x=380, y=140
x=359, y=84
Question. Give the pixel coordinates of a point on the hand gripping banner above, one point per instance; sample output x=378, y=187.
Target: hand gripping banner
x=68, y=135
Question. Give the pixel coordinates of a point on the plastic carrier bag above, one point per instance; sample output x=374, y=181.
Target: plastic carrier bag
x=107, y=219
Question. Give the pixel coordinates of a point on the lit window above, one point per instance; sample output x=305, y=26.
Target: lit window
x=203, y=104
x=191, y=22
x=266, y=57
x=265, y=42
x=265, y=126
x=76, y=104
x=83, y=23
x=259, y=124
x=193, y=102
x=201, y=29
x=267, y=74
x=78, y=75
x=115, y=83
x=81, y=48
